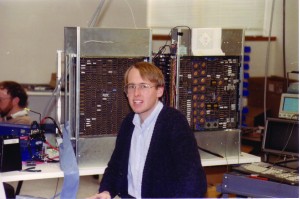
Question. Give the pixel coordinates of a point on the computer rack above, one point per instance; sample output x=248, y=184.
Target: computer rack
x=209, y=91
x=209, y=87
x=96, y=60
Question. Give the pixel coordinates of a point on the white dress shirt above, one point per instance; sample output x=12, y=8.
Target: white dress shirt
x=140, y=142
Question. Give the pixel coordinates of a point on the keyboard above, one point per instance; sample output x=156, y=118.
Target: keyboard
x=271, y=172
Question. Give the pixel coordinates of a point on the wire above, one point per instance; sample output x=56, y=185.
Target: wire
x=289, y=136
x=96, y=14
x=267, y=63
x=133, y=18
x=54, y=122
x=40, y=115
x=56, y=188
x=51, y=146
x=55, y=92
x=162, y=49
x=283, y=43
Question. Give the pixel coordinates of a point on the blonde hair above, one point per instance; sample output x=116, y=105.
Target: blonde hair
x=147, y=71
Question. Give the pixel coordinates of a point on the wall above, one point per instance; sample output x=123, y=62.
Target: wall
x=259, y=48
x=32, y=31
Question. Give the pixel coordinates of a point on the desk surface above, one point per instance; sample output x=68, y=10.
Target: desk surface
x=48, y=170
x=52, y=170
x=211, y=160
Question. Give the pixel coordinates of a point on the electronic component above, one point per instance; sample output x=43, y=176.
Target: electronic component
x=103, y=103
x=289, y=106
x=22, y=132
x=209, y=91
x=163, y=62
x=10, y=156
x=31, y=139
x=269, y=171
x=281, y=136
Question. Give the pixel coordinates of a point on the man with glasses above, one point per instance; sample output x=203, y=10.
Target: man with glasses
x=13, y=101
x=156, y=153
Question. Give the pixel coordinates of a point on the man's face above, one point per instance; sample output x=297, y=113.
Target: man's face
x=142, y=100
x=6, y=102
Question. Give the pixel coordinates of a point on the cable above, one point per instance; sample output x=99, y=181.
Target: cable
x=161, y=51
x=289, y=136
x=133, y=18
x=55, y=92
x=162, y=48
x=267, y=63
x=96, y=14
x=54, y=122
x=56, y=188
x=210, y=152
x=283, y=43
x=51, y=146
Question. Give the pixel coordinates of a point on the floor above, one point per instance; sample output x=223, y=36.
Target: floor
x=47, y=188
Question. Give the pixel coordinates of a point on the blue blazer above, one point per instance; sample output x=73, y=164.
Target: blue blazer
x=173, y=167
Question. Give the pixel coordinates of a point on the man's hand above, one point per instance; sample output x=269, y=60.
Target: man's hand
x=102, y=195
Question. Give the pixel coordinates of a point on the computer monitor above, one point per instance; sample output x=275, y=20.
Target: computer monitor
x=289, y=106
x=281, y=136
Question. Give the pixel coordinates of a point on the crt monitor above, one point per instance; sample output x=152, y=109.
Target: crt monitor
x=281, y=136
x=289, y=106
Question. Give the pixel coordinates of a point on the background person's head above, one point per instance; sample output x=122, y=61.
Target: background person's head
x=13, y=97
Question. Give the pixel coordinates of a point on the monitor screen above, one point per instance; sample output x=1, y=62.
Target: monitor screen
x=289, y=106
x=281, y=136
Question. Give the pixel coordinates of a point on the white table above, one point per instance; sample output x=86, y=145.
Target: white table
x=52, y=170
x=211, y=160
x=48, y=170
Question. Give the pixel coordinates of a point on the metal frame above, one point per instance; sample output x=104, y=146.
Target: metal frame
x=96, y=42
x=242, y=185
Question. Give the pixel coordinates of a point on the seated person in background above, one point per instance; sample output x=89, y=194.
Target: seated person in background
x=13, y=101
x=156, y=153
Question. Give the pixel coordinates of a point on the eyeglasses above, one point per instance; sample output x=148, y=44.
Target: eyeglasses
x=130, y=88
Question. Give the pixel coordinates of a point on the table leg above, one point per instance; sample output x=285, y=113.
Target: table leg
x=18, y=190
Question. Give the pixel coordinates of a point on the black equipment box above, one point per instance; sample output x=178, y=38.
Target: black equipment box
x=10, y=154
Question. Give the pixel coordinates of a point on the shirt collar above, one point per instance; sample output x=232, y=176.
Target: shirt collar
x=137, y=121
x=17, y=114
